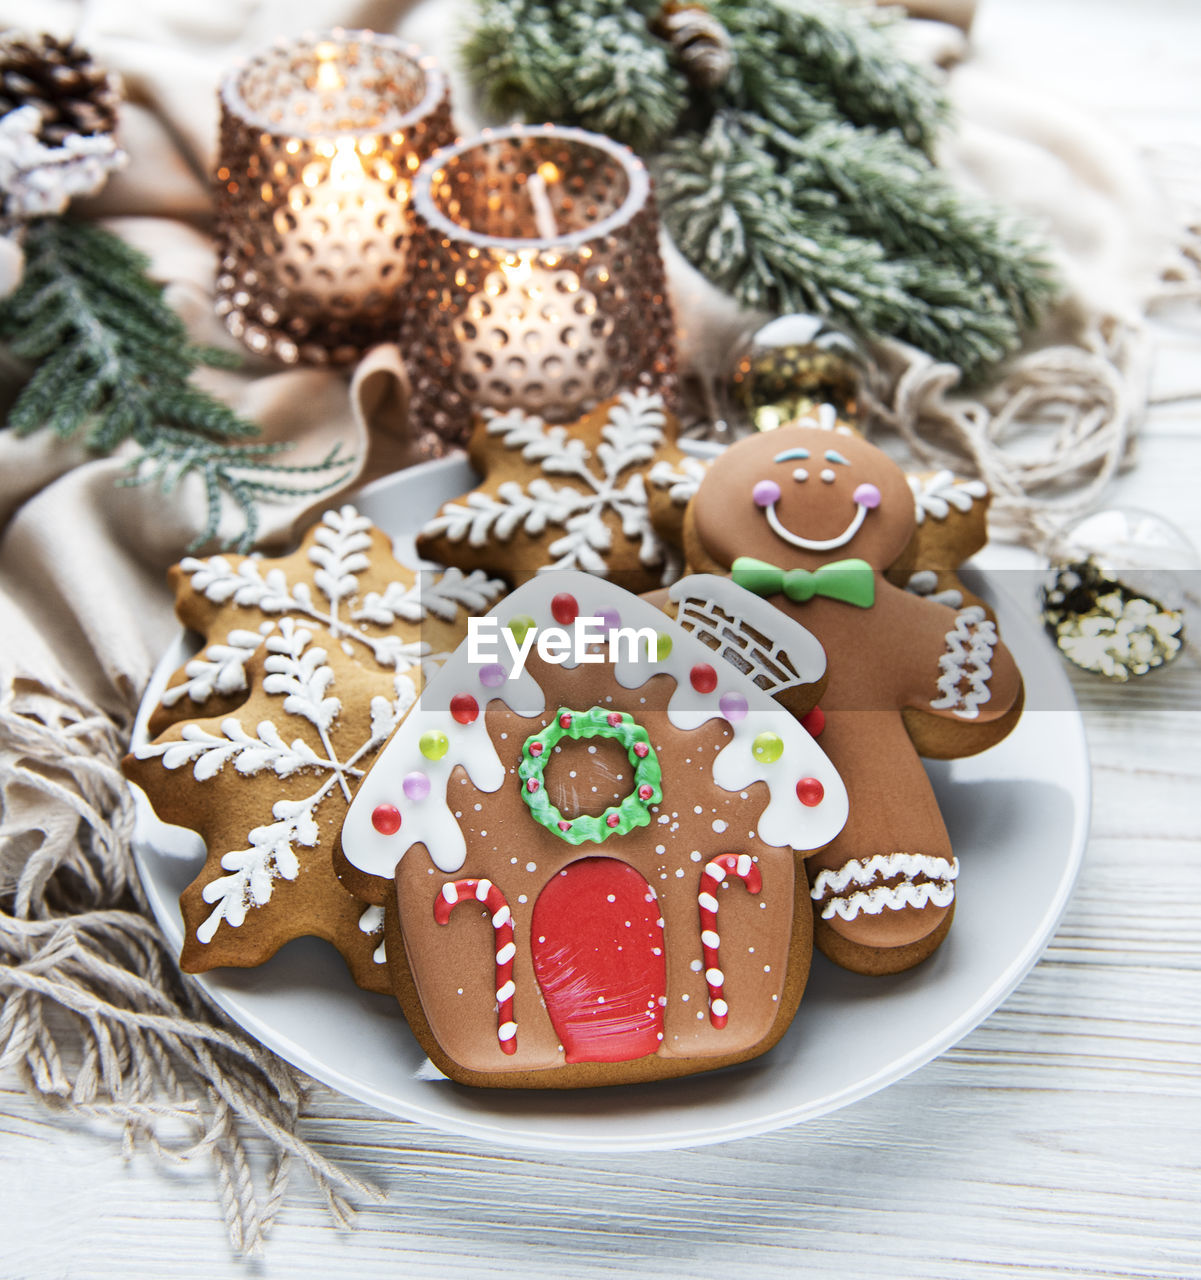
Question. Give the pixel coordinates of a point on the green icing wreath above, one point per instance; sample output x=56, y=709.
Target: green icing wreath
x=634, y=810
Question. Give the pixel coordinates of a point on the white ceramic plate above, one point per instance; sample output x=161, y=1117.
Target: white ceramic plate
x=1018, y=818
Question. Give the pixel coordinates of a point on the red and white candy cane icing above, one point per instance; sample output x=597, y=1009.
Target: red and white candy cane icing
x=456, y=891
x=714, y=874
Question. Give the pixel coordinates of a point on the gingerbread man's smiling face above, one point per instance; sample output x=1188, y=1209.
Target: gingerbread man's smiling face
x=800, y=497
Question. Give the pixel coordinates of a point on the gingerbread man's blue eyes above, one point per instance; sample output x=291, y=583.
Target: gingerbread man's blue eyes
x=801, y=455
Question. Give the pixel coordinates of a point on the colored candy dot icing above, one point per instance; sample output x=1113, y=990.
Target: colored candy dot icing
x=662, y=646
x=703, y=677
x=867, y=495
x=810, y=792
x=464, y=708
x=733, y=707
x=610, y=619
x=416, y=785
x=766, y=493
x=385, y=818
x=565, y=608
x=594, y=723
x=813, y=722
x=521, y=624
x=767, y=748
x=434, y=744
x=493, y=675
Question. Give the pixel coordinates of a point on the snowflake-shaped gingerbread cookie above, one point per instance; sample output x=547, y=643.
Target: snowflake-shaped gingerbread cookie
x=344, y=579
x=267, y=786
x=564, y=497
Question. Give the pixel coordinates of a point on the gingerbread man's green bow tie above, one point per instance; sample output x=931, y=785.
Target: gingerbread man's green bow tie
x=852, y=581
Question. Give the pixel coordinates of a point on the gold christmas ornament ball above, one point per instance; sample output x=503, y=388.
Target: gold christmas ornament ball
x=785, y=370
x=1117, y=595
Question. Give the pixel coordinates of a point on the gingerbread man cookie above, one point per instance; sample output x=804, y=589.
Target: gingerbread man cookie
x=344, y=579
x=565, y=497
x=951, y=517
x=813, y=520
x=590, y=853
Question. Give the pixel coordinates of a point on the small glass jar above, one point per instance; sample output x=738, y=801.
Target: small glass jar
x=537, y=282
x=320, y=138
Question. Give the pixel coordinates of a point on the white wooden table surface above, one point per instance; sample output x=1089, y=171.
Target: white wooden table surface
x=1060, y=1138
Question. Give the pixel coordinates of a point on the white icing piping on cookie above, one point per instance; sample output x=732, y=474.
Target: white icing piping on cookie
x=632, y=433
x=372, y=922
x=430, y=819
x=938, y=889
x=749, y=632
x=942, y=491
x=342, y=543
x=816, y=544
x=681, y=485
x=301, y=676
x=969, y=653
x=924, y=583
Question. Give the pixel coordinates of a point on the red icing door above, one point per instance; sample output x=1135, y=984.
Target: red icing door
x=597, y=946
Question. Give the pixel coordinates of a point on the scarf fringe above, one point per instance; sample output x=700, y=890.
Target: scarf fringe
x=94, y=1012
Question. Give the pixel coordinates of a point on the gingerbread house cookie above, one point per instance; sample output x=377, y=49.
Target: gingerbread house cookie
x=587, y=839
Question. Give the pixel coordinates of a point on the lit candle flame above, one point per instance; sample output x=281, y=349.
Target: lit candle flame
x=345, y=169
x=517, y=270
x=329, y=79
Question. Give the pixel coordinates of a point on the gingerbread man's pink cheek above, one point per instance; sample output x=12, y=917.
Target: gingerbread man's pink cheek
x=867, y=495
x=766, y=493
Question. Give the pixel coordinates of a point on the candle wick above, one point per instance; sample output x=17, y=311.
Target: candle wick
x=544, y=214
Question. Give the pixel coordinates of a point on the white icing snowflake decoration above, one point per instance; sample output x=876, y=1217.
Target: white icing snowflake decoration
x=935, y=495
x=340, y=552
x=631, y=436
x=297, y=672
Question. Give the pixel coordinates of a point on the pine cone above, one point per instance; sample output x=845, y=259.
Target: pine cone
x=700, y=41
x=73, y=94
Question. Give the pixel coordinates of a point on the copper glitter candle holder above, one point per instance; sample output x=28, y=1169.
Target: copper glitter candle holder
x=320, y=138
x=537, y=282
